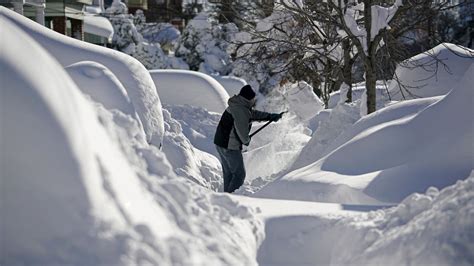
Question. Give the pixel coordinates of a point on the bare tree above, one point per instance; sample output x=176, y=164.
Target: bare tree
x=321, y=40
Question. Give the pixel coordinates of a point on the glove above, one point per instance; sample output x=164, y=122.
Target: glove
x=275, y=117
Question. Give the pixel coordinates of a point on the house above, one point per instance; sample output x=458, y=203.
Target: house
x=79, y=19
x=170, y=11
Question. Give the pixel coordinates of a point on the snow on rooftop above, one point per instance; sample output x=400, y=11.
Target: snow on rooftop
x=98, y=25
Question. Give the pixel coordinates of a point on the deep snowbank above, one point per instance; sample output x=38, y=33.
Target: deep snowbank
x=388, y=160
x=82, y=187
x=60, y=201
x=187, y=161
x=180, y=87
x=432, y=73
x=131, y=73
x=434, y=228
x=102, y=85
x=344, y=123
x=198, y=125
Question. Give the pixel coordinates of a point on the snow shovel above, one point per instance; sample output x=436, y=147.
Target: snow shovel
x=264, y=126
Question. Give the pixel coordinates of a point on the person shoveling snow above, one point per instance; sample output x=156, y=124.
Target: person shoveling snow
x=233, y=131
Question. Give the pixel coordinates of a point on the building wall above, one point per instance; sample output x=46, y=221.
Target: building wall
x=164, y=10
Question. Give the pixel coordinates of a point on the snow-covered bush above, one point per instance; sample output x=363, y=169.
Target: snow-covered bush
x=163, y=33
x=129, y=39
x=256, y=52
x=203, y=45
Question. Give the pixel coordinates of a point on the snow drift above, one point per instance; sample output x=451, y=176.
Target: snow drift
x=431, y=73
x=393, y=156
x=338, y=125
x=60, y=197
x=432, y=228
x=102, y=85
x=193, y=88
x=131, y=73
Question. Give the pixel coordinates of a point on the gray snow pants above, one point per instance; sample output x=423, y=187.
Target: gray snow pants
x=232, y=167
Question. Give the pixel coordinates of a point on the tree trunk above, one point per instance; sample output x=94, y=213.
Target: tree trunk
x=369, y=64
x=347, y=68
x=370, y=84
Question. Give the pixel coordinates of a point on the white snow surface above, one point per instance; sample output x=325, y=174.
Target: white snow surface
x=81, y=187
x=187, y=161
x=67, y=179
x=231, y=84
x=439, y=71
x=433, y=228
x=197, y=124
x=81, y=184
x=194, y=88
x=381, y=17
x=102, y=85
x=273, y=149
x=404, y=152
x=97, y=25
x=132, y=74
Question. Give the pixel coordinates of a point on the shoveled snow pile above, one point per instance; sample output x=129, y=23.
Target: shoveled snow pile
x=130, y=72
x=198, y=125
x=432, y=73
x=187, y=161
x=397, y=153
x=434, y=228
x=194, y=88
x=82, y=186
x=274, y=148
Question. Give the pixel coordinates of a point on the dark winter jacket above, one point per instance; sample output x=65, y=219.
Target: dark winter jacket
x=234, y=127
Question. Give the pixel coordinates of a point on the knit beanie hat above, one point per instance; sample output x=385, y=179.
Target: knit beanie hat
x=247, y=92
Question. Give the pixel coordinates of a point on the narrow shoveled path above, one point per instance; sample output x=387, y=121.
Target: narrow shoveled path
x=300, y=232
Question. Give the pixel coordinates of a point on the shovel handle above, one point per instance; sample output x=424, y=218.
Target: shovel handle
x=266, y=124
